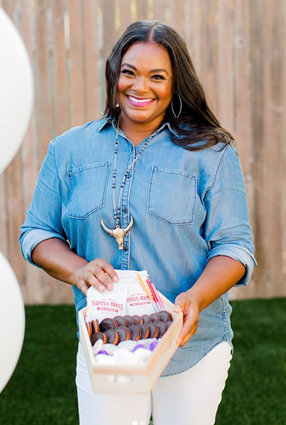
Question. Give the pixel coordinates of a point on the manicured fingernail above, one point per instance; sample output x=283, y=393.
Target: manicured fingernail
x=115, y=279
x=101, y=288
x=179, y=340
x=110, y=286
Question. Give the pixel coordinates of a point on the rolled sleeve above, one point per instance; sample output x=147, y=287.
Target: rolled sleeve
x=227, y=228
x=43, y=219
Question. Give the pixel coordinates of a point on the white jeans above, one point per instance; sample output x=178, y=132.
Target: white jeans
x=189, y=398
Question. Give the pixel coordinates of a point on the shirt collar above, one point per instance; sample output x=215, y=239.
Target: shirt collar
x=109, y=120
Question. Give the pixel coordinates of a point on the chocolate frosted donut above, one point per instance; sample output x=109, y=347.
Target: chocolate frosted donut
x=144, y=331
x=96, y=336
x=123, y=333
x=128, y=319
x=106, y=324
x=136, y=319
x=145, y=318
x=153, y=330
x=165, y=316
x=135, y=332
x=162, y=328
x=154, y=317
x=120, y=321
x=95, y=326
x=168, y=324
x=112, y=336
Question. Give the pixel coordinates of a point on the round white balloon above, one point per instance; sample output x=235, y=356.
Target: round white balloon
x=12, y=321
x=16, y=90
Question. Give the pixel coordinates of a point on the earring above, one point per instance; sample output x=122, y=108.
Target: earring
x=117, y=106
x=181, y=106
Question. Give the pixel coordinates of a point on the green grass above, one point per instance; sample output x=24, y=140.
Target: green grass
x=42, y=389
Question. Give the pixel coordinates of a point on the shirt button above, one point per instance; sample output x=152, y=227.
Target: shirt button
x=125, y=210
x=128, y=175
x=125, y=248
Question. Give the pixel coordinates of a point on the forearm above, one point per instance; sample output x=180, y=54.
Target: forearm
x=220, y=274
x=58, y=260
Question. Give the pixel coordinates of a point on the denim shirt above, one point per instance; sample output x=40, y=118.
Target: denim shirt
x=187, y=206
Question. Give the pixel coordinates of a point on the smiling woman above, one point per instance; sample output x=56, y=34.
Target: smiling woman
x=144, y=89
x=176, y=206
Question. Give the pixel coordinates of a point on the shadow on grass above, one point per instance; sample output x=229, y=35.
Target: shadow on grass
x=42, y=389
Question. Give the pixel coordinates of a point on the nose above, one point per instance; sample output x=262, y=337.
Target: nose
x=140, y=85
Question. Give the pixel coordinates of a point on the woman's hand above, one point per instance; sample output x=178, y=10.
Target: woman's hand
x=98, y=273
x=190, y=309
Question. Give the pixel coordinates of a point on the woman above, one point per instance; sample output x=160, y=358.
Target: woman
x=160, y=170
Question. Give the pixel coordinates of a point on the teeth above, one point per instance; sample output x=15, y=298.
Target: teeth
x=139, y=101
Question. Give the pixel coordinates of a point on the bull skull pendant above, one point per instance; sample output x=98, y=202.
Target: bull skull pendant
x=118, y=233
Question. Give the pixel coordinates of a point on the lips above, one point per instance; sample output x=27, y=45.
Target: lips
x=139, y=101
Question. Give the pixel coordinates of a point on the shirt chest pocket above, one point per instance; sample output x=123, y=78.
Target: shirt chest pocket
x=88, y=186
x=172, y=195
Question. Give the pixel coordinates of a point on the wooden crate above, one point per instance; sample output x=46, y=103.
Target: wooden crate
x=135, y=379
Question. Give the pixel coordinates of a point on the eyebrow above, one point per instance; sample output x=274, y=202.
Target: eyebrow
x=151, y=71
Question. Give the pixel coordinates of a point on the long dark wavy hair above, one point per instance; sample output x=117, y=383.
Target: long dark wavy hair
x=196, y=123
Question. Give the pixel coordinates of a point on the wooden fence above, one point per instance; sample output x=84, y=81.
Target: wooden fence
x=239, y=50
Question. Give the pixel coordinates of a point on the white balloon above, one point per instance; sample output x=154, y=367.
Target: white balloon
x=16, y=90
x=12, y=321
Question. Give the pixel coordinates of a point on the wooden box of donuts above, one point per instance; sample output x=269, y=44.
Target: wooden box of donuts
x=133, y=379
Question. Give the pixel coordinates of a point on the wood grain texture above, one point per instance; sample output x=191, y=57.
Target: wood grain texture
x=238, y=49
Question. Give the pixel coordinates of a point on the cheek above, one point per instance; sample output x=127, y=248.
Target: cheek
x=121, y=85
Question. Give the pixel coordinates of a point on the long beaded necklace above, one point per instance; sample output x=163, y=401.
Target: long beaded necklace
x=118, y=232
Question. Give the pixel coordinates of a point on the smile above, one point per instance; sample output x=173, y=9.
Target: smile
x=139, y=101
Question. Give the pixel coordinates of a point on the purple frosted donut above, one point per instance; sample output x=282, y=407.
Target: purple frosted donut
x=106, y=324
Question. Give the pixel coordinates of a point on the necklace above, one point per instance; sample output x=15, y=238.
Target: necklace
x=119, y=232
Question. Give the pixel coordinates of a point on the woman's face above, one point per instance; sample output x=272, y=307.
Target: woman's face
x=145, y=84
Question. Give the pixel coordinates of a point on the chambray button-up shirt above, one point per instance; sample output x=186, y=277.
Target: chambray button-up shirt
x=188, y=207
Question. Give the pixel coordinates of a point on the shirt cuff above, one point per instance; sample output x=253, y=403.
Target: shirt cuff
x=32, y=238
x=239, y=254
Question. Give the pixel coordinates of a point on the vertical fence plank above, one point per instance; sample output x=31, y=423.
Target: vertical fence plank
x=125, y=14
x=91, y=59
x=225, y=63
x=176, y=13
x=274, y=109
x=77, y=84
x=60, y=100
x=159, y=10
x=141, y=10
x=44, y=114
x=209, y=52
x=242, y=125
x=192, y=31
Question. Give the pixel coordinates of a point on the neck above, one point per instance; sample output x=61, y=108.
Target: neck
x=137, y=132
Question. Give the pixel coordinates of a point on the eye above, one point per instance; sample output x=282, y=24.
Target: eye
x=127, y=72
x=158, y=77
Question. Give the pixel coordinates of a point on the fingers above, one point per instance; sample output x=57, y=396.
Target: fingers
x=190, y=310
x=98, y=273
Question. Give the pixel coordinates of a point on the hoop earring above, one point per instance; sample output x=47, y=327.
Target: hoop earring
x=181, y=106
